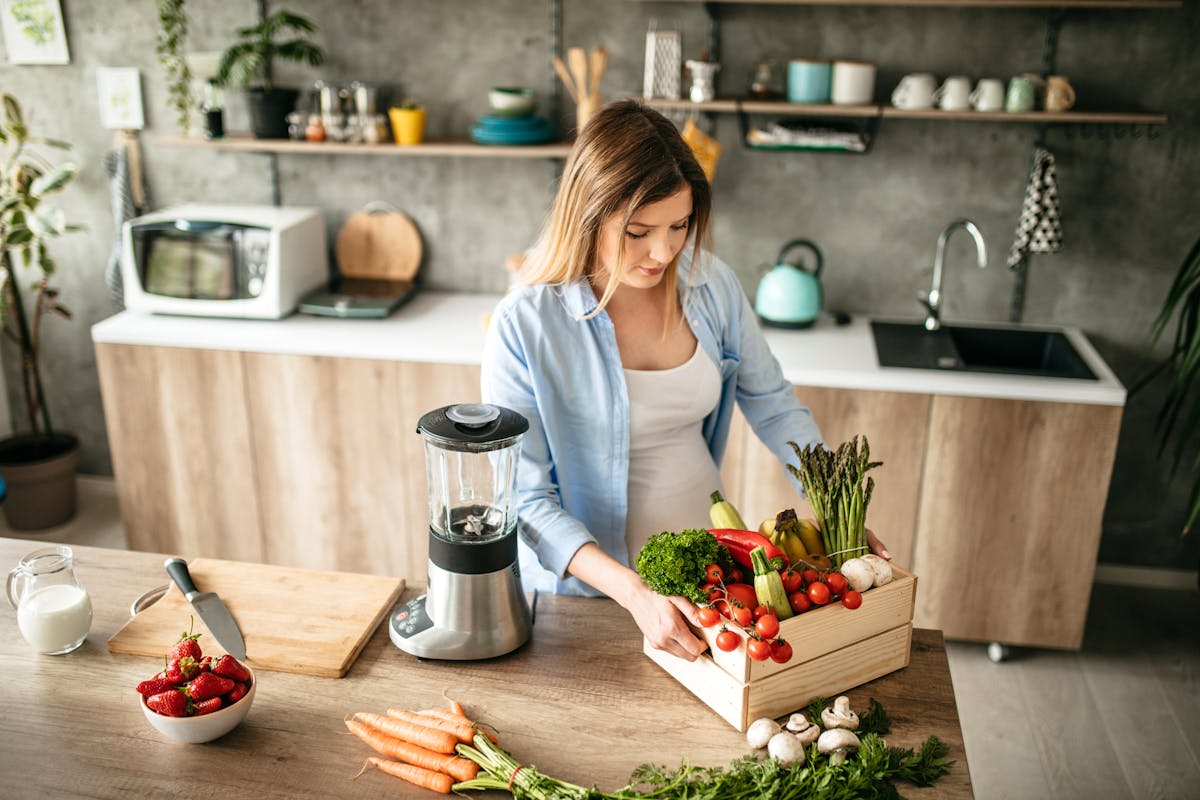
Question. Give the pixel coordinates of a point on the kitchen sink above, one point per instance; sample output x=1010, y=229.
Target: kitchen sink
x=962, y=348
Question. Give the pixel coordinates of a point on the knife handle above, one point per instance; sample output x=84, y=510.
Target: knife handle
x=177, y=568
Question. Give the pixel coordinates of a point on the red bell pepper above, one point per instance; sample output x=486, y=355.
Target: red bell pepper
x=740, y=543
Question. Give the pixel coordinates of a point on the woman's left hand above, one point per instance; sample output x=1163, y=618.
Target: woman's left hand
x=877, y=547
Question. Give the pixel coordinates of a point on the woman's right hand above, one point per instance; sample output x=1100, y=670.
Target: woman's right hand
x=664, y=620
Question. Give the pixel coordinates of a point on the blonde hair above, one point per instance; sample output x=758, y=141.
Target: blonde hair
x=626, y=157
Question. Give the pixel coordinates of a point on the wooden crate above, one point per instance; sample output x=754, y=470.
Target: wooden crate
x=834, y=649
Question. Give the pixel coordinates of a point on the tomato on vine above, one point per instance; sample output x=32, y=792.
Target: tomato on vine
x=767, y=626
x=713, y=573
x=758, y=649
x=837, y=582
x=728, y=641
x=818, y=593
x=852, y=599
x=781, y=651
x=742, y=616
x=792, y=580
x=708, y=616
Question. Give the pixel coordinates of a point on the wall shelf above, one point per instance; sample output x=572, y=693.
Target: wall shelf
x=246, y=144
x=1129, y=4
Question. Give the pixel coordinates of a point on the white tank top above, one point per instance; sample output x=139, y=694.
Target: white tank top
x=671, y=472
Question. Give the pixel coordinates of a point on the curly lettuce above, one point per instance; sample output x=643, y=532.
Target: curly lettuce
x=673, y=563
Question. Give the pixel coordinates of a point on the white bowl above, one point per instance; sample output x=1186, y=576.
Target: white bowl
x=512, y=101
x=206, y=727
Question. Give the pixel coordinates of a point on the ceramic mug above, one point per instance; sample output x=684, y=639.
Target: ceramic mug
x=808, y=81
x=954, y=94
x=1060, y=95
x=1039, y=88
x=853, y=83
x=915, y=91
x=988, y=95
x=1021, y=95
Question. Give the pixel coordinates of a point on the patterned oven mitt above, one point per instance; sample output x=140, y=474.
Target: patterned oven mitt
x=1040, y=228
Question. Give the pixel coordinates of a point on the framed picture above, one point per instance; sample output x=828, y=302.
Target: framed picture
x=33, y=32
x=120, y=91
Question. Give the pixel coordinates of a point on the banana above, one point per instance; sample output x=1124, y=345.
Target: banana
x=724, y=515
x=811, y=536
x=767, y=527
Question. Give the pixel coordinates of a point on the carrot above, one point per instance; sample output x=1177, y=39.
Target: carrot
x=425, y=736
x=450, y=716
x=457, y=767
x=420, y=776
x=462, y=729
x=456, y=707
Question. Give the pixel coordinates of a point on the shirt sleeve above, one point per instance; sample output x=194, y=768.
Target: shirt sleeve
x=508, y=380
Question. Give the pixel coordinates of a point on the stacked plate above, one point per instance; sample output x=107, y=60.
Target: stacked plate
x=494, y=129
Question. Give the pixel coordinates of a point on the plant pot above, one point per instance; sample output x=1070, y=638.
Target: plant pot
x=40, y=474
x=268, y=111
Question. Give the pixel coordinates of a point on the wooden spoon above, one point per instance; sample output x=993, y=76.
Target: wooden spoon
x=577, y=60
x=561, y=69
x=597, y=62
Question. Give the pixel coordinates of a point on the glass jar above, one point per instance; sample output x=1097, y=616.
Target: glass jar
x=54, y=611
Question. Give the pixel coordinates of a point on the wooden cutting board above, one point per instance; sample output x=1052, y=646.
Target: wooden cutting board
x=294, y=620
x=382, y=244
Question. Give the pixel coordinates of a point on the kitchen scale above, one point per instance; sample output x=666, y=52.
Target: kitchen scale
x=474, y=606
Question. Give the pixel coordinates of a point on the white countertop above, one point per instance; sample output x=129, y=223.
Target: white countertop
x=448, y=327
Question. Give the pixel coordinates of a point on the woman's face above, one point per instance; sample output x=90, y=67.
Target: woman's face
x=654, y=236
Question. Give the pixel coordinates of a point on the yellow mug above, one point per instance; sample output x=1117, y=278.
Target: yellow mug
x=408, y=125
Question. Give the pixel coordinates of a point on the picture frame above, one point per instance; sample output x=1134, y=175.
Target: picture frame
x=34, y=32
x=120, y=98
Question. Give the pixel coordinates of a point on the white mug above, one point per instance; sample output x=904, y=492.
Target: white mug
x=988, y=95
x=954, y=94
x=853, y=83
x=915, y=91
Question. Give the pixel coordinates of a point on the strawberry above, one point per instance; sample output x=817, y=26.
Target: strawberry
x=230, y=667
x=182, y=670
x=154, y=686
x=236, y=693
x=187, y=646
x=173, y=703
x=206, y=706
x=206, y=685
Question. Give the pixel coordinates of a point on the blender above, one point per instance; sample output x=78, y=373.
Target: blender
x=473, y=606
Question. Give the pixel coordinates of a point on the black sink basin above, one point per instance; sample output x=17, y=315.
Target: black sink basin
x=961, y=348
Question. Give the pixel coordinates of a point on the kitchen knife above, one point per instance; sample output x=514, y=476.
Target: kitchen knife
x=211, y=609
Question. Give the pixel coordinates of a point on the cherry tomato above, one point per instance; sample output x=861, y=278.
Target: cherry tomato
x=734, y=575
x=811, y=576
x=758, y=649
x=728, y=641
x=852, y=599
x=722, y=606
x=819, y=594
x=743, y=616
x=781, y=651
x=767, y=626
x=799, y=602
x=713, y=573
x=836, y=582
x=708, y=616
x=792, y=580
x=712, y=591
x=743, y=593
x=760, y=610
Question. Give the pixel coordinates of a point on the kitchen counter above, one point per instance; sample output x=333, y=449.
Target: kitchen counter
x=580, y=701
x=448, y=327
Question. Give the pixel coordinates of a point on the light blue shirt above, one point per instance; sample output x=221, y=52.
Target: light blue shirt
x=564, y=374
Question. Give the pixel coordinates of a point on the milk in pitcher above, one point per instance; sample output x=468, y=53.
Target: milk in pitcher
x=55, y=619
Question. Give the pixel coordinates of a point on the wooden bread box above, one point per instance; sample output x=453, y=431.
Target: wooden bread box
x=834, y=649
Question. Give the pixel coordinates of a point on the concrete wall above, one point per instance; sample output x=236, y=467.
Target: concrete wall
x=1129, y=206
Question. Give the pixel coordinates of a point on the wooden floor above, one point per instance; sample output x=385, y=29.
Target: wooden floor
x=1119, y=719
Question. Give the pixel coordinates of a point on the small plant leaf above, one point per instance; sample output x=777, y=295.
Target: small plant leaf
x=53, y=181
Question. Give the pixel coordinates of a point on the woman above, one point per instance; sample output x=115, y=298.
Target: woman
x=626, y=344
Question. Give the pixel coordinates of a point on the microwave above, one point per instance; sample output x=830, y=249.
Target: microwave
x=223, y=261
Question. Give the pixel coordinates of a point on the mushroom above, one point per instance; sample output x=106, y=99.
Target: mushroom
x=787, y=749
x=840, y=715
x=837, y=744
x=760, y=732
x=881, y=568
x=858, y=574
x=804, y=730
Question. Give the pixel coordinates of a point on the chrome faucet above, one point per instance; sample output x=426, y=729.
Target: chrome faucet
x=933, y=300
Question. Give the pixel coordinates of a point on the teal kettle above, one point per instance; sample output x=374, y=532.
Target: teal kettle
x=789, y=295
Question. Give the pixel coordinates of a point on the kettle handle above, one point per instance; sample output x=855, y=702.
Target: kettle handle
x=806, y=244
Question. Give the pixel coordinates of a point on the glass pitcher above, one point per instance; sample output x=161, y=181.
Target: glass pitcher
x=54, y=611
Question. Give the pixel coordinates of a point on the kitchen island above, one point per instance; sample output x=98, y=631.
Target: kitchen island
x=580, y=701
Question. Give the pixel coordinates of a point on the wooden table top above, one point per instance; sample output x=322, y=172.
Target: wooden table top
x=580, y=701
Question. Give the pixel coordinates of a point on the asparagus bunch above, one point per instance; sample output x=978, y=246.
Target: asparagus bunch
x=839, y=491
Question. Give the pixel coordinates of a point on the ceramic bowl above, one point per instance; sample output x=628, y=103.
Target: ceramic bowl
x=205, y=728
x=511, y=101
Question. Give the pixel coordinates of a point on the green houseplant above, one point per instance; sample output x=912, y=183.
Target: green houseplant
x=1179, y=417
x=38, y=466
x=172, y=36
x=252, y=59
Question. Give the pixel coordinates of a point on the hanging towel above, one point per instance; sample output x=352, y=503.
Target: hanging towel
x=1040, y=228
x=116, y=166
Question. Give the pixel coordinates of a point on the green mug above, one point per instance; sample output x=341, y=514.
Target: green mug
x=1020, y=97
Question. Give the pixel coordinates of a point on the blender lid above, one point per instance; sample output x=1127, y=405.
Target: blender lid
x=472, y=426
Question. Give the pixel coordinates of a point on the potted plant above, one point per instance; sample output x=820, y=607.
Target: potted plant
x=38, y=466
x=252, y=58
x=408, y=122
x=1179, y=417
x=172, y=36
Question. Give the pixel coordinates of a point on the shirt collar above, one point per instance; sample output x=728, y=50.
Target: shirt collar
x=580, y=299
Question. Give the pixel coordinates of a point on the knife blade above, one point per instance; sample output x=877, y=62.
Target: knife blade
x=210, y=607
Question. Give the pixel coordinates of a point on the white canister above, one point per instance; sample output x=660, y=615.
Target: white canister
x=853, y=83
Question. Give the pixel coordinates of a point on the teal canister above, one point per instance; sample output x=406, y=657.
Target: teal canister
x=809, y=81
x=789, y=295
